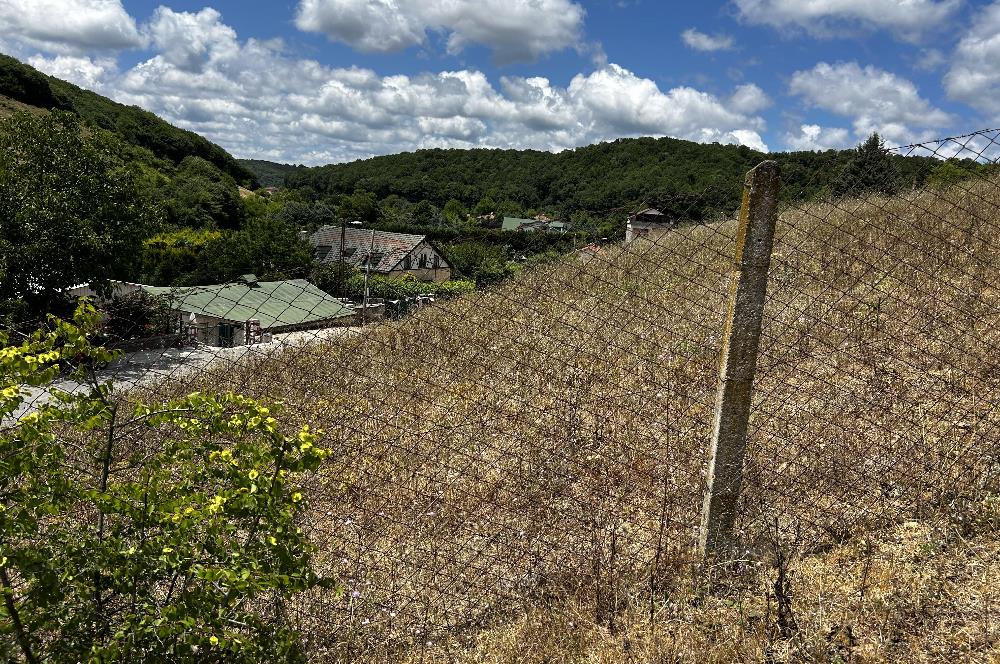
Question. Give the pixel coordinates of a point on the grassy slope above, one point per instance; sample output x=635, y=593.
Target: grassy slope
x=517, y=472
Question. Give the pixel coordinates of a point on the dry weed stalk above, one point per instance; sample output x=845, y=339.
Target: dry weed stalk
x=518, y=472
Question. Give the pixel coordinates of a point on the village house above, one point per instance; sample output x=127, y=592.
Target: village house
x=540, y=223
x=391, y=254
x=645, y=222
x=243, y=312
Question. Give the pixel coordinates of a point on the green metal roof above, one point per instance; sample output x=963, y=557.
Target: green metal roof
x=273, y=303
x=513, y=223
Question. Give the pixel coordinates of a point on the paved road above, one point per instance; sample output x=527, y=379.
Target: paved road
x=150, y=366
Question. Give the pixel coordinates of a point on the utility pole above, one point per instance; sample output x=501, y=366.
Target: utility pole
x=342, y=263
x=368, y=269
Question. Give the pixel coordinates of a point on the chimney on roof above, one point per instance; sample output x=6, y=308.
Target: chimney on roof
x=249, y=279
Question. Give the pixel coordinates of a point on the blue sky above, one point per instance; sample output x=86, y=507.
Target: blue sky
x=316, y=81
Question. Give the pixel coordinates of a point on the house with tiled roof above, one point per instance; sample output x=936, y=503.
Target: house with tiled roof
x=387, y=254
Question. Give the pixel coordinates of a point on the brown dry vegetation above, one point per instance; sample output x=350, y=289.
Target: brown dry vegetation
x=10, y=106
x=518, y=473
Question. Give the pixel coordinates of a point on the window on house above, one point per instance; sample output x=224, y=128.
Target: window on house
x=407, y=262
x=423, y=261
x=437, y=261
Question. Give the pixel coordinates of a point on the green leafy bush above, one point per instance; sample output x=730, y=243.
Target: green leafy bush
x=137, y=315
x=395, y=288
x=163, y=532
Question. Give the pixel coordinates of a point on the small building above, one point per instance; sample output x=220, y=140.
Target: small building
x=240, y=313
x=646, y=221
x=388, y=254
x=543, y=224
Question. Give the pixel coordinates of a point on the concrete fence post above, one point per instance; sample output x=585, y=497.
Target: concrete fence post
x=741, y=339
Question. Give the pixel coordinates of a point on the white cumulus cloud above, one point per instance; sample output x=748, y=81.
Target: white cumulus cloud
x=749, y=99
x=906, y=18
x=974, y=77
x=515, y=30
x=190, y=40
x=86, y=72
x=814, y=137
x=875, y=99
x=69, y=27
x=701, y=41
x=257, y=101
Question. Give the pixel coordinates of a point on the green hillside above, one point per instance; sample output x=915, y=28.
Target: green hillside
x=269, y=173
x=668, y=173
x=25, y=84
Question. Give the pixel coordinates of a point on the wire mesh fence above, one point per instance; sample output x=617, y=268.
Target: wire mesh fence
x=539, y=447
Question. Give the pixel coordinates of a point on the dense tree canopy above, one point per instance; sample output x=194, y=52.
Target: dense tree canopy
x=871, y=169
x=269, y=173
x=70, y=211
x=606, y=180
x=269, y=248
x=201, y=196
x=139, y=127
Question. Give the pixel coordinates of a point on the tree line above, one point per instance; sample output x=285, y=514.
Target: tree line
x=91, y=190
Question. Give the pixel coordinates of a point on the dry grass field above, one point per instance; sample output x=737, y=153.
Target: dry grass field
x=518, y=473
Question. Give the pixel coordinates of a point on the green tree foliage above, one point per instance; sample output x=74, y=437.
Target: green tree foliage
x=202, y=196
x=268, y=173
x=360, y=206
x=394, y=209
x=607, y=180
x=455, y=213
x=160, y=532
x=871, y=170
x=486, y=205
x=70, y=211
x=269, y=248
x=27, y=85
x=305, y=215
x=483, y=263
x=397, y=288
x=426, y=213
x=334, y=278
x=952, y=172
x=167, y=258
x=136, y=315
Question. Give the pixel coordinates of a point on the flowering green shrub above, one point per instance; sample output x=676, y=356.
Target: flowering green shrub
x=159, y=532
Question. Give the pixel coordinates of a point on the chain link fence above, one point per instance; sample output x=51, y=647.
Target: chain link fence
x=539, y=448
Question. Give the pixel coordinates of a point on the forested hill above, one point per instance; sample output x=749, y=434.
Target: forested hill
x=25, y=84
x=269, y=173
x=665, y=172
